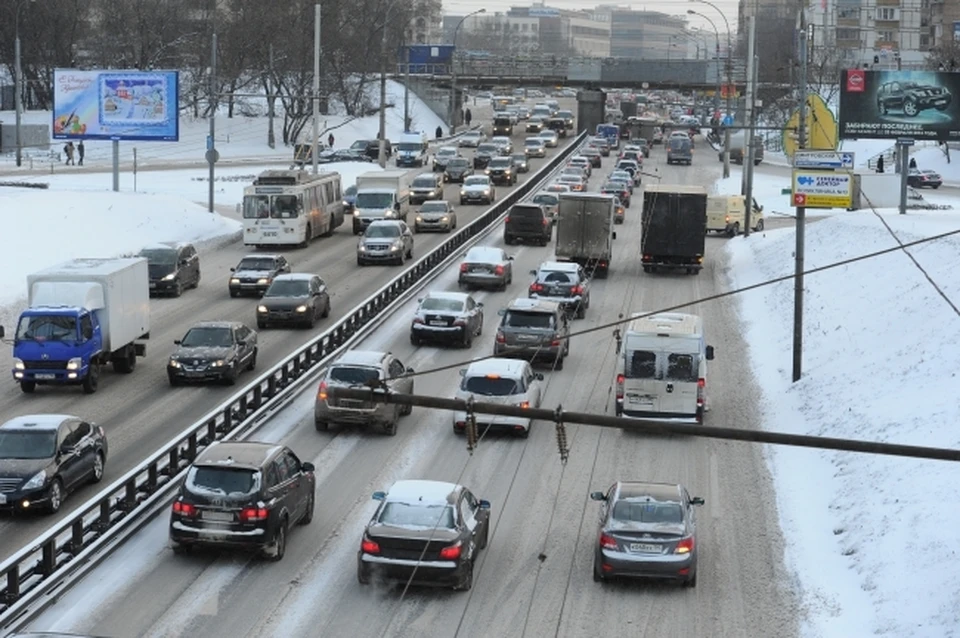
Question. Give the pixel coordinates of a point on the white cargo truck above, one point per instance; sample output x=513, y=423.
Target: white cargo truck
x=381, y=195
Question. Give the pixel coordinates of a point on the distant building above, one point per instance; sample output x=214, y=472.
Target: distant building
x=644, y=34
x=427, y=25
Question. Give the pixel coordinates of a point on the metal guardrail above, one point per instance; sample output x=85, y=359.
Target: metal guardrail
x=36, y=569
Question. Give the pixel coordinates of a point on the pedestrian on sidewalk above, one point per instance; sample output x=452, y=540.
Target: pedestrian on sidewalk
x=468, y=117
x=80, y=152
x=913, y=162
x=68, y=151
x=880, y=164
x=330, y=140
x=439, y=132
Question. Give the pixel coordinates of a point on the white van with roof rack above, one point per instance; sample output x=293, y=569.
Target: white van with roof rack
x=662, y=369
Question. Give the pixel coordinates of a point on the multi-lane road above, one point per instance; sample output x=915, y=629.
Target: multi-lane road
x=534, y=579
x=140, y=412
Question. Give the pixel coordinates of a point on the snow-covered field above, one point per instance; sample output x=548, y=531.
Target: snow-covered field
x=870, y=539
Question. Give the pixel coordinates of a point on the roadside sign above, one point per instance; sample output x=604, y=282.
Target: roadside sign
x=906, y=141
x=822, y=190
x=823, y=159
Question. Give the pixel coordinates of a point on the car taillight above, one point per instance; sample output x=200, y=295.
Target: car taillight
x=322, y=392
x=577, y=290
x=368, y=546
x=701, y=391
x=498, y=270
x=184, y=509
x=727, y=219
x=620, y=380
x=463, y=268
x=546, y=222
x=501, y=338
x=452, y=552
x=536, y=288
x=254, y=514
x=685, y=546
x=460, y=322
x=506, y=220
x=608, y=542
x=524, y=404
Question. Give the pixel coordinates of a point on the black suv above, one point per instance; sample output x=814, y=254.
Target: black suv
x=502, y=125
x=45, y=456
x=172, y=267
x=297, y=299
x=371, y=148
x=255, y=273
x=557, y=124
x=457, y=170
x=213, y=351
x=485, y=153
x=501, y=171
x=243, y=494
x=911, y=98
x=527, y=222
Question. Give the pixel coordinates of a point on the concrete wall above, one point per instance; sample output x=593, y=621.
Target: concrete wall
x=437, y=97
x=34, y=137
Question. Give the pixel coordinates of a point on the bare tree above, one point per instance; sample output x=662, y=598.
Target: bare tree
x=945, y=56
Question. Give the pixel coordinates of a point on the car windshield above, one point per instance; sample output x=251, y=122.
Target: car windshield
x=434, y=207
x=374, y=200
x=159, y=256
x=47, y=328
x=27, y=444
x=446, y=152
x=477, y=180
x=500, y=162
x=491, y=385
x=359, y=145
x=409, y=146
x=487, y=148
x=288, y=288
x=533, y=143
x=256, y=263
x=458, y=163
x=222, y=481
x=354, y=375
x=424, y=182
x=382, y=230
x=546, y=200
x=208, y=337
x=527, y=319
x=442, y=304
x=420, y=515
x=648, y=512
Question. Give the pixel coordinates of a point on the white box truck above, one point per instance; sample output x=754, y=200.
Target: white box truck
x=82, y=314
x=381, y=195
x=585, y=231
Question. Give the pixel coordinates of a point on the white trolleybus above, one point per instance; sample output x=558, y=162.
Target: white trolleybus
x=290, y=208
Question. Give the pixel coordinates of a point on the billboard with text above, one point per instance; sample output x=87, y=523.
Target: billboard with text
x=116, y=105
x=923, y=105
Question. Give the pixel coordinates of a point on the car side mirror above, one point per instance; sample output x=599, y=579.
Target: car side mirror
x=538, y=376
x=614, y=234
x=463, y=372
x=696, y=500
x=410, y=371
x=484, y=505
x=597, y=496
x=233, y=270
x=307, y=467
x=379, y=496
x=709, y=353
x=533, y=272
x=176, y=342
x=501, y=312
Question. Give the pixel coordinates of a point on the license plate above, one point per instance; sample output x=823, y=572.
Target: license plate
x=44, y=376
x=153, y=284
x=643, y=400
x=350, y=403
x=526, y=337
x=218, y=517
x=270, y=234
x=555, y=291
x=479, y=269
x=438, y=323
x=645, y=548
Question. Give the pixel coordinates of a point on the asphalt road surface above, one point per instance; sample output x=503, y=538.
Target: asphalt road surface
x=534, y=579
x=140, y=412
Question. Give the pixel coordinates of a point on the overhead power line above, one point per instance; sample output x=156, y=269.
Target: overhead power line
x=380, y=395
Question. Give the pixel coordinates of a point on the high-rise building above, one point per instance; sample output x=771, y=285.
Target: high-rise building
x=426, y=27
x=881, y=34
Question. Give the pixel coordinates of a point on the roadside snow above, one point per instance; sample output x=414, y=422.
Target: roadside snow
x=871, y=539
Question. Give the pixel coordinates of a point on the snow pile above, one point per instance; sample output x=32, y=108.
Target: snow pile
x=871, y=538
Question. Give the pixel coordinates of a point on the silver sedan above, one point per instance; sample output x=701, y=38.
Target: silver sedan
x=486, y=267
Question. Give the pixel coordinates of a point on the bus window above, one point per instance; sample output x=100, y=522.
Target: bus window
x=328, y=195
x=256, y=207
x=286, y=206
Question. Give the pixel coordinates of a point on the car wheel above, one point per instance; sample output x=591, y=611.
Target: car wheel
x=597, y=573
x=278, y=547
x=692, y=581
x=56, y=496
x=734, y=230
x=92, y=380
x=559, y=362
x=261, y=325
x=28, y=387
x=308, y=514
x=407, y=410
x=525, y=433
x=467, y=582
x=179, y=548
x=910, y=108
x=253, y=360
x=178, y=290
x=326, y=309
x=461, y=201
x=414, y=341
x=320, y=424
x=174, y=381
x=96, y=472
x=467, y=342
x=486, y=536
x=390, y=429
x=581, y=311
x=759, y=225
x=362, y=577
x=234, y=293
x=230, y=378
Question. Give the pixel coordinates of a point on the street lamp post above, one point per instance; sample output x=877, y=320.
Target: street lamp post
x=716, y=95
x=18, y=80
x=382, y=154
x=453, y=71
x=726, y=131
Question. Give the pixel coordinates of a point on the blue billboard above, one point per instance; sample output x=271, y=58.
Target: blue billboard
x=116, y=105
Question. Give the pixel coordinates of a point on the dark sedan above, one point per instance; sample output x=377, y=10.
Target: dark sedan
x=485, y=152
x=424, y=532
x=457, y=170
x=647, y=530
x=255, y=273
x=924, y=179
x=447, y=317
x=43, y=457
x=294, y=299
x=592, y=154
x=619, y=189
x=213, y=351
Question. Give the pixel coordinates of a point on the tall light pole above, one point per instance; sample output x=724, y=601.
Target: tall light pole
x=315, y=138
x=726, y=131
x=716, y=95
x=382, y=155
x=18, y=79
x=453, y=71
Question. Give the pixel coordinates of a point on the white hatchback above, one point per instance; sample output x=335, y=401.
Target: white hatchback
x=501, y=381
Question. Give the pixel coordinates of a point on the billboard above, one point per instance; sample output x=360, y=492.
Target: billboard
x=924, y=105
x=116, y=105
x=822, y=189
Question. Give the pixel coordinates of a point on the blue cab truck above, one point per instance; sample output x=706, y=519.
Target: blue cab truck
x=611, y=132
x=82, y=314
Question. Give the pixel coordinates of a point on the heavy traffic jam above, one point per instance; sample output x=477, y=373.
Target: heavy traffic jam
x=87, y=313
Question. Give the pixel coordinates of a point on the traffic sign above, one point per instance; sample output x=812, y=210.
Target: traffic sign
x=906, y=141
x=212, y=156
x=823, y=159
x=822, y=190
x=727, y=120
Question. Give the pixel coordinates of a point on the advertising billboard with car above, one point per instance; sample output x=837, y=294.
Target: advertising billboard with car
x=891, y=104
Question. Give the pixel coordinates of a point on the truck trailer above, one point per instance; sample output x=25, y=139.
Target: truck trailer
x=673, y=228
x=380, y=195
x=585, y=231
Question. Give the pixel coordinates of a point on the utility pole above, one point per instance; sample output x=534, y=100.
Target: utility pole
x=314, y=142
x=18, y=88
x=726, y=131
x=801, y=210
x=752, y=75
x=271, y=138
x=382, y=155
x=747, y=113
x=214, y=103
x=406, y=89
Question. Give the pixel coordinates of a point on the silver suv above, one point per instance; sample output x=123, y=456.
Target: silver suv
x=535, y=330
x=358, y=369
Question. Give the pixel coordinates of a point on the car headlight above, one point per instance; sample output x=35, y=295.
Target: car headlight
x=388, y=213
x=419, y=218
x=263, y=281
x=301, y=308
x=18, y=364
x=362, y=248
x=36, y=481
x=486, y=171
x=486, y=191
x=234, y=280
x=219, y=363
x=507, y=172
x=75, y=363
x=174, y=363
x=444, y=219
x=462, y=192
x=170, y=277
x=261, y=309
x=356, y=213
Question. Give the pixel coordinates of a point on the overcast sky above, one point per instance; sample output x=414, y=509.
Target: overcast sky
x=676, y=7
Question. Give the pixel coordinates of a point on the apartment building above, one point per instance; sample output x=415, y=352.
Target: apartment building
x=883, y=34
x=427, y=25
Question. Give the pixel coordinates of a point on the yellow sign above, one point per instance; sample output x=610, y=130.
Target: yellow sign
x=822, y=189
x=821, y=127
